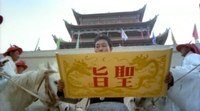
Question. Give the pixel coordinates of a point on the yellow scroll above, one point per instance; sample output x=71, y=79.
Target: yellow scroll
x=115, y=74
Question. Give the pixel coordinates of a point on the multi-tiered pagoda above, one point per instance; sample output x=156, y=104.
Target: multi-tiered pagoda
x=89, y=25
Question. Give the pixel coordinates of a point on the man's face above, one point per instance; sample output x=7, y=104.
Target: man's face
x=14, y=55
x=102, y=46
x=185, y=50
x=20, y=69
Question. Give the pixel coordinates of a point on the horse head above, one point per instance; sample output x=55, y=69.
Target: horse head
x=47, y=88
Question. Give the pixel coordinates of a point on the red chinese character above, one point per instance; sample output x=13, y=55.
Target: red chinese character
x=99, y=73
x=100, y=81
x=122, y=71
x=125, y=81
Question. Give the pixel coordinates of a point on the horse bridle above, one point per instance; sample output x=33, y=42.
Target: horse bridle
x=48, y=89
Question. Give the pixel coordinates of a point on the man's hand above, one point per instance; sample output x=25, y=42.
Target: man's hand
x=1, y=64
x=174, y=67
x=60, y=86
x=168, y=78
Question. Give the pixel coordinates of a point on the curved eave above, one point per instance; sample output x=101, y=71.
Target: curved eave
x=161, y=39
x=56, y=39
x=149, y=23
x=68, y=26
x=152, y=23
x=77, y=16
x=140, y=11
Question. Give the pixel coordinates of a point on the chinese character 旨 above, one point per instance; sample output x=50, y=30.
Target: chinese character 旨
x=100, y=79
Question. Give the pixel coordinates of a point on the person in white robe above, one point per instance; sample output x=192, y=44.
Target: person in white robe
x=11, y=56
x=191, y=57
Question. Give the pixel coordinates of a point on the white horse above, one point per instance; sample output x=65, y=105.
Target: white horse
x=42, y=82
x=185, y=94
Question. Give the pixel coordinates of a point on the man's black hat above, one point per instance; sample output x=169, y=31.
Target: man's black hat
x=103, y=36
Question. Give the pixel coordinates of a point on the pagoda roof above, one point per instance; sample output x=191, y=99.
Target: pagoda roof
x=160, y=40
x=73, y=29
x=139, y=12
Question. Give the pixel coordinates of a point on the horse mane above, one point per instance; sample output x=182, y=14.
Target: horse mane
x=31, y=78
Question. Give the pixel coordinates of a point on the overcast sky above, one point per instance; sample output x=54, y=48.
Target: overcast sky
x=27, y=20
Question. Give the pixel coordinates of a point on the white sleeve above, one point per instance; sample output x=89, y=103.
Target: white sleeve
x=191, y=61
x=8, y=67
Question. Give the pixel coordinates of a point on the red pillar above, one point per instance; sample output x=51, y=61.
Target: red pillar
x=141, y=33
x=72, y=37
x=81, y=22
x=119, y=20
x=138, y=20
x=148, y=33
